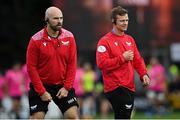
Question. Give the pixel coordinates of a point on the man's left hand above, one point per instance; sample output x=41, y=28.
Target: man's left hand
x=62, y=93
x=146, y=80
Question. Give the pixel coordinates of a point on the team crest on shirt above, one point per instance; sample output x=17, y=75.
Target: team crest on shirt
x=65, y=43
x=128, y=43
x=44, y=43
x=101, y=49
x=116, y=43
x=49, y=38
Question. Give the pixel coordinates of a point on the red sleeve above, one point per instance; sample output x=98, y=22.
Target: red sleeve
x=71, y=65
x=32, y=64
x=138, y=62
x=104, y=62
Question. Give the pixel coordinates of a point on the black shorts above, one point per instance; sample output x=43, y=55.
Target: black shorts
x=37, y=105
x=122, y=101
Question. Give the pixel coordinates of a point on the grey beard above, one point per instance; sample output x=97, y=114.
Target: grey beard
x=54, y=28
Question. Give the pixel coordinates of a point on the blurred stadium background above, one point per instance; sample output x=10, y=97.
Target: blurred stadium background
x=155, y=25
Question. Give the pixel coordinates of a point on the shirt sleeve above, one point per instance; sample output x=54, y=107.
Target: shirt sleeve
x=103, y=59
x=71, y=65
x=32, y=64
x=138, y=62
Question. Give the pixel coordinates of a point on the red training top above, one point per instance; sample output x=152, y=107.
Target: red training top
x=115, y=70
x=51, y=61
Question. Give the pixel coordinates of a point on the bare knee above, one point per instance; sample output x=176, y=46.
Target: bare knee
x=72, y=113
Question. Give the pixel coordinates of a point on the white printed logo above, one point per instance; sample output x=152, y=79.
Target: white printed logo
x=75, y=99
x=116, y=43
x=101, y=49
x=128, y=43
x=65, y=43
x=128, y=106
x=71, y=100
x=44, y=43
x=33, y=107
x=49, y=38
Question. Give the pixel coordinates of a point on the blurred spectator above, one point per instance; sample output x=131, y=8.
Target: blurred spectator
x=15, y=88
x=89, y=78
x=26, y=77
x=156, y=93
x=78, y=86
x=174, y=87
x=78, y=82
x=2, y=81
x=174, y=72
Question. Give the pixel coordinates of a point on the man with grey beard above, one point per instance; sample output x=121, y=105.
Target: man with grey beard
x=51, y=64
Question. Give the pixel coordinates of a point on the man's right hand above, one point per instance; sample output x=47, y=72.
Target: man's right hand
x=46, y=97
x=128, y=55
